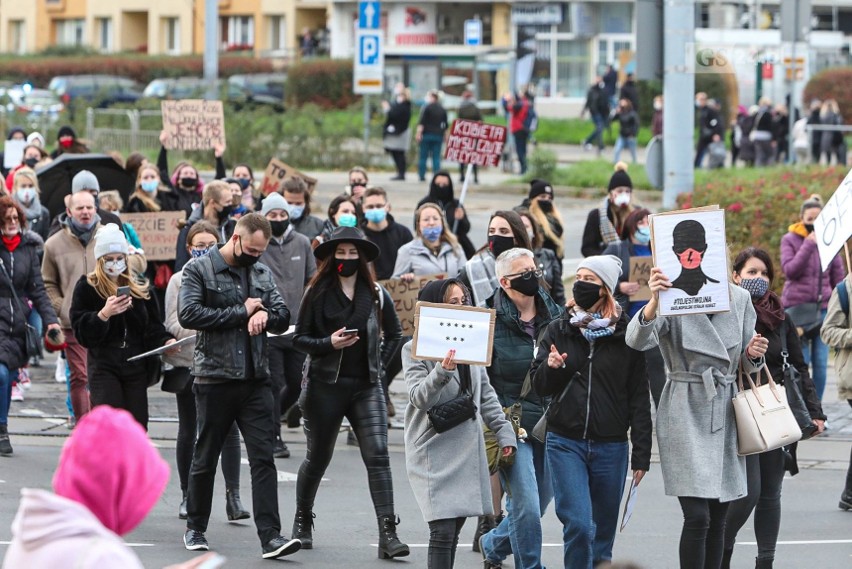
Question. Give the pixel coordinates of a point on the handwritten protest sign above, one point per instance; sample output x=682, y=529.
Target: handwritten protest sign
x=277, y=172
x=640, y=272
x=158, y=232
x=193, y=124
x=404, y=295
x=477, y=143
x=834, y=224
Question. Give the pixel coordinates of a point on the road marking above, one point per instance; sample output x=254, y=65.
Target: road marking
x=812, y=542
x=31, y=412
x=283, y=475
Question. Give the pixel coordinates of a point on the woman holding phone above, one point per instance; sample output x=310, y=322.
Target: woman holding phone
x=116, y=317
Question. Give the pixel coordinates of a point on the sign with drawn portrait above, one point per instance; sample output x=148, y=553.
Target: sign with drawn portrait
x=689, y=247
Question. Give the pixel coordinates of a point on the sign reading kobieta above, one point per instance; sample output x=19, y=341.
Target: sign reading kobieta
x=193, y=124
x=477, y=143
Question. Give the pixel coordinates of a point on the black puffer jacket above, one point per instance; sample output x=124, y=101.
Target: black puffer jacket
x=25, y=269
x=609, y=388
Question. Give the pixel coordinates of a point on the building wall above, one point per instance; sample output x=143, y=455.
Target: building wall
x=141, y=22
x=52, y=12
x=26, y=12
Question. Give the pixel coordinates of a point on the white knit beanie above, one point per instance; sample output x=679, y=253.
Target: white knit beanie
x=607, y=267
x=110, y=239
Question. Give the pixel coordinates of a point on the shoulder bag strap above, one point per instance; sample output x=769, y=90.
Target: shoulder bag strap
x=784, y=353
x=527, y=387
x=11, y=285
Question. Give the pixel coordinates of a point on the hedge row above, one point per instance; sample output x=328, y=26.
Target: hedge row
x=834, y=83
x=326, y=83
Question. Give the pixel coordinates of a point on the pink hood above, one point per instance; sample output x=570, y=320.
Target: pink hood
x=109, y=466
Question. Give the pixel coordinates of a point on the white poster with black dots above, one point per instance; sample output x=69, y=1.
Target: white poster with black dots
x=438, y=328
x=690, y=248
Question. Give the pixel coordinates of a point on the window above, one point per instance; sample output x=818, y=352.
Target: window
x=105, y=34
x=70, y=32
x=17, y=37
x=171, y=36
x=236, y=33
x=277, y=33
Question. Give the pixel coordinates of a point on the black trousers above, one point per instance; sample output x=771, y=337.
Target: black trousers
x=249, y=403
x=443, y=541
x=285, y=368
x=765, y=474
x=521, y=138
x=324, y=406
x=703, y=535
x=399, y=161
x=463, y=170
x=187, y=431
x=120, y=387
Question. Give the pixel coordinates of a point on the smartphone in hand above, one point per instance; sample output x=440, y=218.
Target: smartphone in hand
x=123, y=291
x=349, y=332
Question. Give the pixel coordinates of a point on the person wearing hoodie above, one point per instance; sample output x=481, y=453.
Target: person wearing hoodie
x=605, y=223
x=381, y=229
x=806, y=283
x=26, y=192
x=298, y=198
x=101, y=492
x=216, y=207
x=68, y=143
x=441, y=192
x=600, y=392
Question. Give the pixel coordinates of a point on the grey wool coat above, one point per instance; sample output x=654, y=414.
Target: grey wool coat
x=696, y=429
x=448, y=471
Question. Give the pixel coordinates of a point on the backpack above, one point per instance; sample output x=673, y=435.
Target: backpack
x=531, y=120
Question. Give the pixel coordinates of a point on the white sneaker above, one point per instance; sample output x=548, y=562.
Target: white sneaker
x=17, y=393
x=59, y=375
x=24, y=378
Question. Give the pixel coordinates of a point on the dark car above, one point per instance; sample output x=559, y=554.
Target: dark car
x=262, y=88
x=192, y=88
x=105, y=90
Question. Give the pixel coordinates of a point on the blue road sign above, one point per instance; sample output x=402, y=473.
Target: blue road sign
x=368, y=49
x=473, y=32
x=369, y=15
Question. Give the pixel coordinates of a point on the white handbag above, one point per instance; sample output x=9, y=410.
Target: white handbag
x=764, y=419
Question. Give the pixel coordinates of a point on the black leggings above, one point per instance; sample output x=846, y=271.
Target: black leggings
x=324, y=405
x=703, y=536
x=187, y=426
x=399, y=161
x=443, y=540
x=765, y=475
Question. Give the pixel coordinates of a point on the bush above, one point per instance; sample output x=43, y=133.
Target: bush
x=542, y=164
x=647, y=91
x=574, y=131
x=834, y=83
x=325, y=83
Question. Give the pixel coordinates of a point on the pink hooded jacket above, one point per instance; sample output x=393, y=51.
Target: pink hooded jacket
x=109, y=477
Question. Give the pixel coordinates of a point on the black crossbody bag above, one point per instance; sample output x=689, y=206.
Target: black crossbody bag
x=454, y=412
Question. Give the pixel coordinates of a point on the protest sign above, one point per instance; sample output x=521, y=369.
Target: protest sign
x=277, y=172
x=158, y=232
x=193, y=124
x=404, y=295
x=468, y=330
x=13, y=153
x=640, y=272
x=834, y=224
x=690, y=248
x=477, y=143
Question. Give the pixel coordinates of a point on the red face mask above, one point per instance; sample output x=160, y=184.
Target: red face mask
x=66, y=142
x=690, y=259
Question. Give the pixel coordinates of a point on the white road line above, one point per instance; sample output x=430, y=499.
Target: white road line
x=812, y=542
x=283, y=475
x=128, y=544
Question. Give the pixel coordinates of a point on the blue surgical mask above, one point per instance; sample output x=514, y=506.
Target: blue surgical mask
x=196, y=253
x=347, y=220
x=432, y=234
x=295, y=211
x=376, y=215
x=150, y=186
x=642, y=235
x=244, y=182
x=755, y=287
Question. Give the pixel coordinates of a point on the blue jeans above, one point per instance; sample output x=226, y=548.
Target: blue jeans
x=816, y=355
x=6, y=379
x=588, y=481
x=621, y=143
x=430, y=144
x=34, y=320
x=529, y=490
x=597, y=134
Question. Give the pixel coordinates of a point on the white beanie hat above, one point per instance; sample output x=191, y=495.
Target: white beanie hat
x=607, y=267
x=110, y=239
x=273, y=201
x=36, y=138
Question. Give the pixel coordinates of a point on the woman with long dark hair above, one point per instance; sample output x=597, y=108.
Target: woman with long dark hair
x=349, y=328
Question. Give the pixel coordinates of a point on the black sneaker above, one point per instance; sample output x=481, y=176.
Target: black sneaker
x=846, y=500
x=280, y=546
x=194, y=540
x=280, y=450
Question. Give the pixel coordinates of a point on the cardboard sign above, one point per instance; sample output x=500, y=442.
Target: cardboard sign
x=404, y=295
x=834, y=224
x=690, y=248
x=640, y=272
x=477, y=143
x=158, y=232
x=467, y=329
x=277, y=172
x=13, y=153
x=193, y=124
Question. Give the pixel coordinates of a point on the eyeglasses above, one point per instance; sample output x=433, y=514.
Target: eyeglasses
x=203, y=247
x=527, y=275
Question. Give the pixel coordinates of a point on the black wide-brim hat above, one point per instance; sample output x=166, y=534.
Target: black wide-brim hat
x=353, y=235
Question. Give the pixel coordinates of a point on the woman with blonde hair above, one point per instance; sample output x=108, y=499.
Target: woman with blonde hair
x=26, y=192
x=150, y=194
x=434, y=248
x=541, y=207
x=115, y=316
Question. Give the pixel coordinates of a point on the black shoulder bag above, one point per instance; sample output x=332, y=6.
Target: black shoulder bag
x=33, y=342
x=793, y=386
x=456, y=411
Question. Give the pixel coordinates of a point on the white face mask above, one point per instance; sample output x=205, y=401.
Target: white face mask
x=114, y=268
x=26, y=195
x=622, y=200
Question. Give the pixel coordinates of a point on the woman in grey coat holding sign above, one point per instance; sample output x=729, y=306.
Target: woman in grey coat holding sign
x=448, y=471
x=696, y=430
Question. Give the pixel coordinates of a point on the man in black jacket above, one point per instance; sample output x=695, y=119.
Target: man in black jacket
x=232, y=301
x=380, y=228
x=430, y=134
x=710, y=128
x=597, y=104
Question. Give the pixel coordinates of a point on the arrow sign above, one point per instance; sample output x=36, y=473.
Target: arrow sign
x=369, y=15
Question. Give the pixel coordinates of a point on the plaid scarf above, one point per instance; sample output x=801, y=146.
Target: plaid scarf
x=592, y=325
x=609, y=233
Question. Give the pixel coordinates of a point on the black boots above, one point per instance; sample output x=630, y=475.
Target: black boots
x=389, y=544
x=484, y=524
x=5, y=445
x=234, y=507
x=726, y=558
x=845, y=498
x=763, y=563
x=182, y=508
x=303, y=526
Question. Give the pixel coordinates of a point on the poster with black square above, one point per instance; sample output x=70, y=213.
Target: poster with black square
x=689, y=246
x=438, y=328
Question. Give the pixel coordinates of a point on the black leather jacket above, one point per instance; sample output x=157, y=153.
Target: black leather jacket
x=211, y=303
x=324, y=361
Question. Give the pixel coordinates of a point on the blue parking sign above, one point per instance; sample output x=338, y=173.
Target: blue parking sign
x=369, y=49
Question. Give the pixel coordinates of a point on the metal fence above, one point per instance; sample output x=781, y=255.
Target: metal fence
x=124, y=130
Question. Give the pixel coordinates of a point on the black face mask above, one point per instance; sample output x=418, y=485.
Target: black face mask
x=497, y=244
x=444, y=194
x=586, y=294
x=347, y=267
x=31, y=162
x=526, y=284
x=189, y=182
x=545, y=205
x=279, y=227
x=244, y=259
x=809, y=227
x=225, y=213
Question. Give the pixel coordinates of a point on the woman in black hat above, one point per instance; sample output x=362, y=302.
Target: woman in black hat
x=541, y=207
x=348, y=326
x=606, y=222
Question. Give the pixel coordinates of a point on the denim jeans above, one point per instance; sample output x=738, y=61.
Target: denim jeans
x=816, y=355
x=529, y=490
x=34, y=320
x=621, y=143
x=430, y=144
x=588, y=482
x=597, y=135
x=6, y=379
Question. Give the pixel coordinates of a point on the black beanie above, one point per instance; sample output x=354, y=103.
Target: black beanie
x=620, y=178
x=66, y=131
x=539, y=187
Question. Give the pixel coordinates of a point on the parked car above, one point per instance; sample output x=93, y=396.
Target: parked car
x=37, y=106
x=191, y=88
x=262, y=88
x=105, y=90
